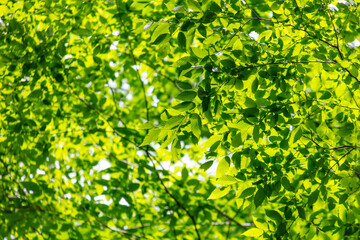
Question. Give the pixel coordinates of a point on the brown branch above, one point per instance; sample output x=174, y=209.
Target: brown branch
x=285, y=63
x=124, y=232
x=229, y=218
x=160, y=73
x=333, y=148
x=336, y=35
x=352, y=75
x=257, y=16
x=135, y=62
x=174, y=198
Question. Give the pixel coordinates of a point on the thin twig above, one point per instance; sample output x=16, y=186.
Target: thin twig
x=135, y=62
x=174, y=198
x=229, y=218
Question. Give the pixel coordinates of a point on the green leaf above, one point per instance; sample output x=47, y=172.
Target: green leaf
x=196, y=125
x=248, y=192
x=301, y=212
x=151, y=136
x=164, y=50
x=273, y=215
x=256, y=133
x=238, y=46
x=181, y=40
x=184, y=85
x=254, y=85
x=147, y=125
x=186, y=95
x=260, y=223
x=32, y=186
x=161, y=30
x=219, y=193
x=133, y=187
x=236, y=140
x=184, y=106
x=202, y=30
x=239, y=84
x=265, y=35
x=250, y=103
x=259, y=197
x=160, y=39
x=205, y=166
x=194, y=5
x=236, y=158
x=313, y=197
x=286, y=184
x=174, y=122
x=296, y=134
x=184, y=174
x=36, y=94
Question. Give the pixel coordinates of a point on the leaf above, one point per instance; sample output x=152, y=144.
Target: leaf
x=281, y=230
x=236, y=140
x=133, y=187
x=265, y=35
x=238, y=45
x=228, y=63
x=301, y=212
x=259, y=197
x=256, y=133
x=253, y=232
x=162, y=29
x=147, y=125
x=286, y=184
x=254, y=85
x=205, y=166
x=181, y=40
x=151, y=136
x=184, y=106
x=236, y=158
x=250, y=103
x=186, y=95
x=36, y=94
x=218, y=193
x=226, y=180
x=196, y=125
x=184, y=174
x=260, y=223
x=164, y=50
x=194, y=5
x=273, y=215
x=202, y=30
x=248, y=192
x=174, y=122
x=160, y=39
x=184, y=85
x=32, y=186
x=313, y=197
x=295, y=135
x=222, y=168
x=239, y=84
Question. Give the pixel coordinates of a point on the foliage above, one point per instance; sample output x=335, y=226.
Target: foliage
x=179, y=119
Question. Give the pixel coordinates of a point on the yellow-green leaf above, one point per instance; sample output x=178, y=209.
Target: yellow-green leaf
x=219, y=193
x=226, y=180
x=222, y=168
x=253, y=232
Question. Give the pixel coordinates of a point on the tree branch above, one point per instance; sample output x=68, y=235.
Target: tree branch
x=229, y=218
x=174, y=198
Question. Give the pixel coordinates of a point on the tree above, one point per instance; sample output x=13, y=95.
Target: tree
x=179, y=119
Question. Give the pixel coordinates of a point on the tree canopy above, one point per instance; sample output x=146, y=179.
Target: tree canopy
x=186, y=119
